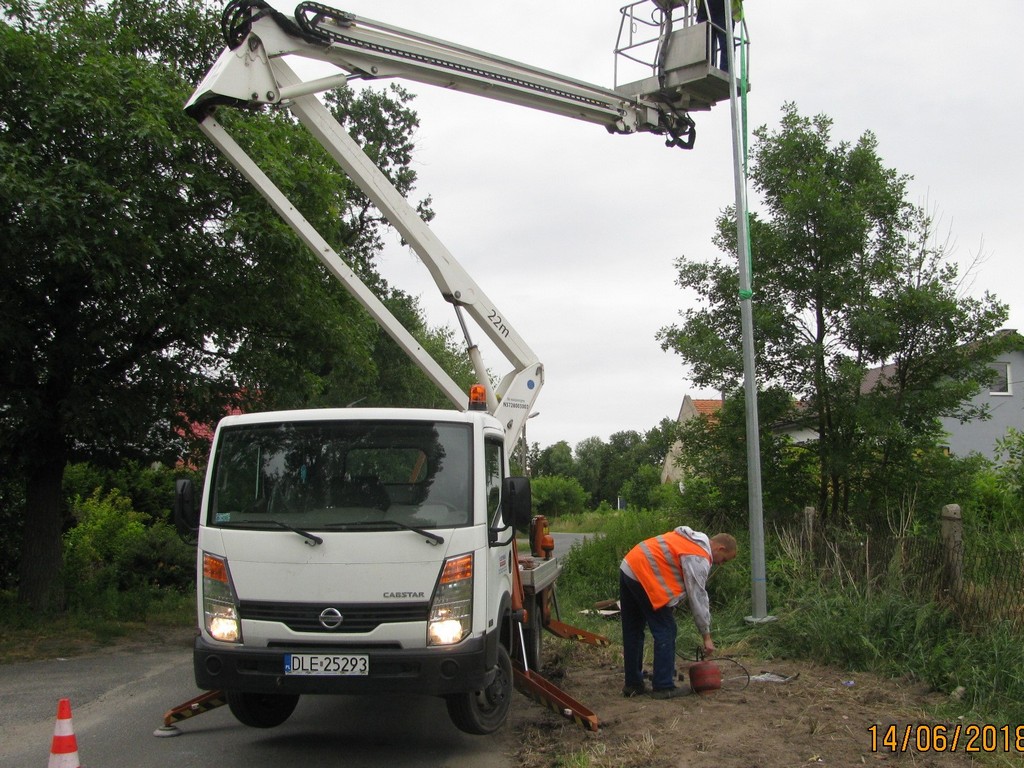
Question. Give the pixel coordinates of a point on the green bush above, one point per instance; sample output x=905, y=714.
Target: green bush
x=588, y=521
x=159, y=559
x=641, y=490
x=666, y=496
x=892, y=634
x=555, y=495
x=149, y=488
x=987, y=672
x=116, y=559
x=94, y=548
x=700, y=499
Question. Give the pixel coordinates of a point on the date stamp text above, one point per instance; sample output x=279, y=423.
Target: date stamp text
x=970, y=738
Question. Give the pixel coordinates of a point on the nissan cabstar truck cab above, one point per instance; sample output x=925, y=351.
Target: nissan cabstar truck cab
x=359, y=550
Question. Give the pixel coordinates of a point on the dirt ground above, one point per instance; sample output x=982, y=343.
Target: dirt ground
x=820, y=716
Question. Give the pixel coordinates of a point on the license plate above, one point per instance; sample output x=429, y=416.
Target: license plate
x=340, y=664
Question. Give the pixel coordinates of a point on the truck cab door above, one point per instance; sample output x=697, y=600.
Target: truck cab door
x=499, y=552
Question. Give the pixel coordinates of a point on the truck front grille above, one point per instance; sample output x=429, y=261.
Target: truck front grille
x=359, y=617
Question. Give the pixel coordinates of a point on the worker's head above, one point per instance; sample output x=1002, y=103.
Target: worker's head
x=723, y=548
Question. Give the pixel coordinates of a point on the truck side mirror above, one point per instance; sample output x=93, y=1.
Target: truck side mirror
x=516, y=503
x=186, y=515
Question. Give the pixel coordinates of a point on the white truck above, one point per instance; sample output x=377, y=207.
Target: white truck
x=354, y=550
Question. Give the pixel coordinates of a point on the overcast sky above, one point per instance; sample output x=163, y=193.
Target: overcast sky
x=573, y=232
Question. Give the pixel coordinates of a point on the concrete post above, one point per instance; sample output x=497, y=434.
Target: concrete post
x=810, y=513
x=953, y=542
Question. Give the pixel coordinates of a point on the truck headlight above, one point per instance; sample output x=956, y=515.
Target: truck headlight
x=451, y=608
x=220, y=606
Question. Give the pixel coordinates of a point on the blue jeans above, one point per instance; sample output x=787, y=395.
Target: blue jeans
x=637, y=613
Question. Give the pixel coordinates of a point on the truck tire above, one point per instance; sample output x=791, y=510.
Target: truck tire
x=484, y=712
x=261, y=710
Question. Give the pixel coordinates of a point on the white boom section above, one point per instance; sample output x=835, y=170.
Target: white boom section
x=253, y=72
x=369, y=49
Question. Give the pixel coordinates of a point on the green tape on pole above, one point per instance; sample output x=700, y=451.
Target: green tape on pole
x=746, y=295
x=744, y=80
x=744, y=74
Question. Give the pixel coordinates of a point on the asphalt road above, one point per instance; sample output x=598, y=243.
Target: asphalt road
x=119, y=698
x=566, y=541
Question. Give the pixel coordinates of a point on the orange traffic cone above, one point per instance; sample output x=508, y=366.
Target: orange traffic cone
x=64, y=748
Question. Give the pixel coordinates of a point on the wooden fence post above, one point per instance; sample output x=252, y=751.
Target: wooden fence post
x=953, y=540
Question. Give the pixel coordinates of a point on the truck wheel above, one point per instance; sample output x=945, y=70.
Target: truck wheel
x=483, y=712
x=261, y=710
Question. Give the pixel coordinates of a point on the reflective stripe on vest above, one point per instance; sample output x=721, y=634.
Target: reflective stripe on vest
x=655, y=564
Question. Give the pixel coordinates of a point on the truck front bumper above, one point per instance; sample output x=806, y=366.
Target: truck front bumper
x=432, y=671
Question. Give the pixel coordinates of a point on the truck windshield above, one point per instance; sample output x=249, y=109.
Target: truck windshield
x=317, y=475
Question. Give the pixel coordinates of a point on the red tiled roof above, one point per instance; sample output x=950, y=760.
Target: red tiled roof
x=707, y=407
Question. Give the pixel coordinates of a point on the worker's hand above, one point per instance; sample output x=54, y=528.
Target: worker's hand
x=709, y=646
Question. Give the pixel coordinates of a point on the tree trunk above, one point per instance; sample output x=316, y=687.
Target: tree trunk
x=39, y=585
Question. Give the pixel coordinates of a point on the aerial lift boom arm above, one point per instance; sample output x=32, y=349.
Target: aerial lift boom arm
x=368, y=49
x=253, y=72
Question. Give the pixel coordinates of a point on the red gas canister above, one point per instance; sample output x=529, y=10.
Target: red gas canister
x=705, y=676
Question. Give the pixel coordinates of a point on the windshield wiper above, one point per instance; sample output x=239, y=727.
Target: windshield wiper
x=431, y=537
x=311, y=538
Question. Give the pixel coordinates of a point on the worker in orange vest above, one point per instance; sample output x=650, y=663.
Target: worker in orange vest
x=654, y=577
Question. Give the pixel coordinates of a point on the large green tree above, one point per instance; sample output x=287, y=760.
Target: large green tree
x=848, y=277
x=144, y=285
x=103, y=244
x=553, y=460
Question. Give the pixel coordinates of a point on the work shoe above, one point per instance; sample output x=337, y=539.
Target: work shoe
x=666, y=693
x=629, y=691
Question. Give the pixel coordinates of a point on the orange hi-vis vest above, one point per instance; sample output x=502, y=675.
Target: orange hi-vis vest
x=655, y=564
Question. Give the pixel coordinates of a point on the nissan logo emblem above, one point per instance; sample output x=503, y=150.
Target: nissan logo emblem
x=331, y=618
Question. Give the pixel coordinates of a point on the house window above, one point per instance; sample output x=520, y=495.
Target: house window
x=1000, y=379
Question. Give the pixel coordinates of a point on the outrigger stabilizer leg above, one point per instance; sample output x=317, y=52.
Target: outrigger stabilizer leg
x=202, y=703
x=554, y=698
x=532, y=684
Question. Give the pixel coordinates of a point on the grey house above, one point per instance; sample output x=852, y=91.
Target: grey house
x=1005, y=401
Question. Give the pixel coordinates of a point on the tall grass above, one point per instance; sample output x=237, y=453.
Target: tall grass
x=892, y=634
x=591, y=521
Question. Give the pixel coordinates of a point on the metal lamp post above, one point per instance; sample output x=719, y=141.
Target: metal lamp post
x=754, y=500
